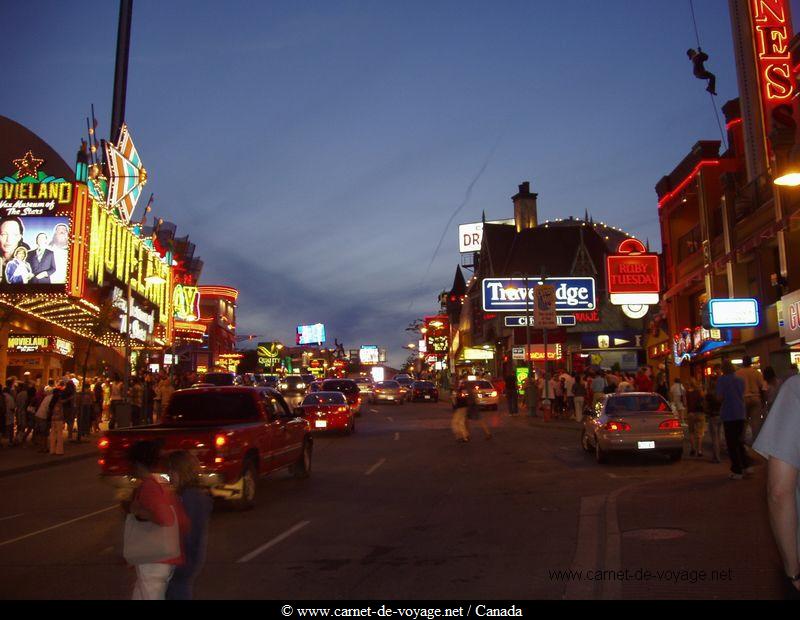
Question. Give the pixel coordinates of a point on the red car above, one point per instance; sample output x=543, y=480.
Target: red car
x=349, y=388
x=327, y=411
x=237, y=433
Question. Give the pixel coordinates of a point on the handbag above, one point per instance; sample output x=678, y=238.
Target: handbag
x=146, y=542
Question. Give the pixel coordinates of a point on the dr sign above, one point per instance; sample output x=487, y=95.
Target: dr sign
x=516, y=294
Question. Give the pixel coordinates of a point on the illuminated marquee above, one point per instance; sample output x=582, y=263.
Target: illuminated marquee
x=633, y=278
x=31, y=343
x=268, y=354
x=772, y=31
x=116, y=254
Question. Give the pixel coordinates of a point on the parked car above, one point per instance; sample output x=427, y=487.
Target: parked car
x=327, y=411
x=237, y=434
x=387, y=391
x=349, y=388
x=633, y=422
x=424, y=390
x=486, y=394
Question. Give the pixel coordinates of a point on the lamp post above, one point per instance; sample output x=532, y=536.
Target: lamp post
x=531, y=398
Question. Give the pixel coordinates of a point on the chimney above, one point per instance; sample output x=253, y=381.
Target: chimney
x=525, y=207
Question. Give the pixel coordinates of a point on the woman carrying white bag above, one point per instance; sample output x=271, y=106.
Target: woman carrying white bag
x=153, y=526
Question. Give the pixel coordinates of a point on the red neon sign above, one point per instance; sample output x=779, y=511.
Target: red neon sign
x=772, y=31
x=632, y=270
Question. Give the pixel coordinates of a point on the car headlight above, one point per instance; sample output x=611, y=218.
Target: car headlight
x=301, y=386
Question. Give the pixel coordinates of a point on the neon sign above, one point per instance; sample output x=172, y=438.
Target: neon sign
x=116, y=253
x=634, y=281
x=772, y=32
x=186, y=303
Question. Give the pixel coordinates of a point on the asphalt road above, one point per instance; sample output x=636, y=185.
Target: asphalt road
x=399, y=510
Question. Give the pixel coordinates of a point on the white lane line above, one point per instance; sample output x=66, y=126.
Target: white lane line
x=52, y=527
x=373, y=411
x=372, y=469
x=273, y=542
x=587, y=549
x=11, y=517
x=396, y=436
x=390, y=419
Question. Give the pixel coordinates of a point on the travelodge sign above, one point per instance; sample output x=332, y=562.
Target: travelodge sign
x=516, y=294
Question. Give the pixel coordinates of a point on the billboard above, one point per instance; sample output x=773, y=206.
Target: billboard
x=516, y=294
x=368, y=354
x=733, y=313
x=789, y=317
x=34, y=251
x=311, y=334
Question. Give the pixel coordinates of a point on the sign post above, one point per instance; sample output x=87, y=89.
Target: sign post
x=544, y=314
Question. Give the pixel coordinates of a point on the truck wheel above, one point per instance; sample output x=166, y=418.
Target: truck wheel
x=302, y=467
x=249, y=480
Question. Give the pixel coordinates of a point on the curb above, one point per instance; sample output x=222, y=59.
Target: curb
x=46, y=464
x=540, y=423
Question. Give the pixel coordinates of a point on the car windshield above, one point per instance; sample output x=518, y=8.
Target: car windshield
x=482, y=385
x=324, y=398
x=636, y=403
x=388, y=384
x=293, y=381
x=203, y=406
x=404, y=380
x=340, y=386
x=367, y=381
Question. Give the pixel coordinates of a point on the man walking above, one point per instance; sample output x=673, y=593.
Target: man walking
x=730, y=390
x=753, y=386
x=677, y=396
x=511, y=394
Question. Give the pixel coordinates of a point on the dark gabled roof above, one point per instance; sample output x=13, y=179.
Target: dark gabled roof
x=459, y=285
x=551, y=248
x=18, y=140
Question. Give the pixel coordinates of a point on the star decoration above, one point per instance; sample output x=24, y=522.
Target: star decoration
x=28, y=165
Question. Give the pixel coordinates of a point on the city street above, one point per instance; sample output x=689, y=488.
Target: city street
x=399, y=510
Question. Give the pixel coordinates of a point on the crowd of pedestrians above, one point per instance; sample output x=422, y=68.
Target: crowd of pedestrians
x=46, y=415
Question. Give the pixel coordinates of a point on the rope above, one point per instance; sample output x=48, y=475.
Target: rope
x=694, y=21
x=713, y=105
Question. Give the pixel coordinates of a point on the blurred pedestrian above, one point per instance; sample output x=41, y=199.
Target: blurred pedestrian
x=712, y=407
x=512, y=394
x=753, y=394
x=579, y=396
x=677, y=396
x=41, y=431
x=10, y=411
x=730, y=390
x=85, y=409
x=772, y=385
x=458, y=423
x=97, y=415
x=696, y=417
x=474, y=412
x=56, y=439
x=184, y=470
x=137, y=400
x=115, y=400
x=69, y=405
x=155, y=502
x=779, y=441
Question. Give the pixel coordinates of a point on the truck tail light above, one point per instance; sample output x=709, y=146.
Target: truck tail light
x=617, y=426
x=669, y=425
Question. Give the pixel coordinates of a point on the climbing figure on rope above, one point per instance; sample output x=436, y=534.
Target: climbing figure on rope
x=698, y=57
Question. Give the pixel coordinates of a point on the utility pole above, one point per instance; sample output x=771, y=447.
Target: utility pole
x=121, y=68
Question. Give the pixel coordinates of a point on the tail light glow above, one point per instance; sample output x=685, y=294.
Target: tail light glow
x=672, y=424
x=103, y=443
x=617, y=426
x=220, y=441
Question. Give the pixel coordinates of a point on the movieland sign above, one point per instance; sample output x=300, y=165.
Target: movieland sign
x=514, y=294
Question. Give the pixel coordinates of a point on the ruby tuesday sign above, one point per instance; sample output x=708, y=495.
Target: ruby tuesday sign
x=516, y=294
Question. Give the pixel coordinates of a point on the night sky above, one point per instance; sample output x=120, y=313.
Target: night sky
x=315, y=151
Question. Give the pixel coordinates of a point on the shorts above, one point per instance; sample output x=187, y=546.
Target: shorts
x=697, y=423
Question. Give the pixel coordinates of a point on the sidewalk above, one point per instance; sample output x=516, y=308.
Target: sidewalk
x=25, y=458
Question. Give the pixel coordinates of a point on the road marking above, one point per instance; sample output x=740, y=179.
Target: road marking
x=587, y=549
x=373, y=411
x=390, y=419
x=374, y=467
x=53, y=527
x=396, y=436
x=295, y=528
x=11, y=517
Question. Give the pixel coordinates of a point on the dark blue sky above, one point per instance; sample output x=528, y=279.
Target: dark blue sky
x=314, y=151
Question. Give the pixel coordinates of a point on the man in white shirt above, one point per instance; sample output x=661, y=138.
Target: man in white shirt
x=677, y=396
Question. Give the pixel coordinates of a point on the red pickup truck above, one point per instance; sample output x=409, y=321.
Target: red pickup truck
x=237, y=433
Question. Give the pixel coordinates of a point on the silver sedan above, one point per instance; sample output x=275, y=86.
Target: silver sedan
x=633, y=422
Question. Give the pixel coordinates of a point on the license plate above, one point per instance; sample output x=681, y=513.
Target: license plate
x=647, y=445
x=321, y=424
x=427, y=397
